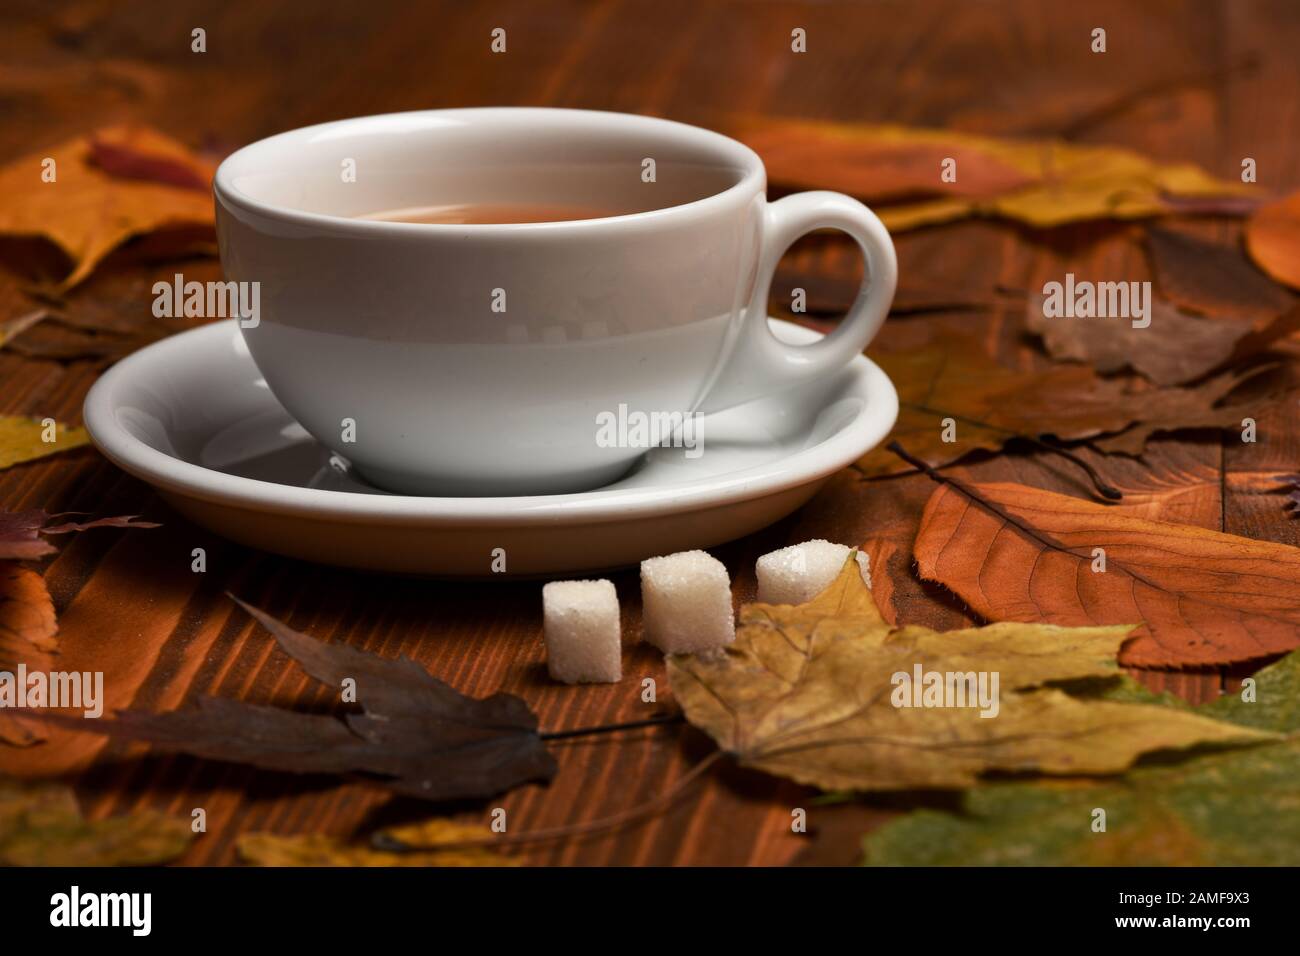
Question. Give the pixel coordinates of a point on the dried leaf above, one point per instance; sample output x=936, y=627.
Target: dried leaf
x=952, y=378
x=27, y=629
x=415, y=734
x=882, y=163
x=1175, y=348
x=1173, y=409
x=21, y=439
x=1273, y=239
x=41, y=825
x=1223, y=809
x=110, y=186
x=314, y=849
x=1293, y=495
x=880, y=551
x=12, y=328
x=20, y=531
x=27, y=621
x=989, y=405
x=1042, y=183
x=108, y=317
x=1206, y=598
x=51, y=343
x=805, y=693
x=1211, y=278
x=143, y=154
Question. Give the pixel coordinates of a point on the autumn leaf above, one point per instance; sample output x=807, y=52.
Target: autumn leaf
x=27, y=630
x=806, y=692
x=1212, y=278
x=1205, y=598
x=315, y=849
x=1042, y=183
x=41, y=825
x=1224, y=809
x=1232, y=809
x=882, y=163
x=20, y=531
x=1173, y=349
x=989, y=405
x=139, y=153
x=1205, y=405
x=21, y=439
x=1272, y=705
x=27, y=621
x=106, y=320
x=414, y=734
x=108, y=187
x=1293, y=494
x=1273, y=239
x=10, y=329
x=880, y=551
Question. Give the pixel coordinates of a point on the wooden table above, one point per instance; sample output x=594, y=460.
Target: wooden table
x=1209, y=82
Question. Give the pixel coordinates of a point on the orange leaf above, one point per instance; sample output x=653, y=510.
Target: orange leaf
x=27, y=629
x=1273, y=239
x=875, y=163
x=1023, y=554
x=103, y=190
x=135, y=152
x=938, y=175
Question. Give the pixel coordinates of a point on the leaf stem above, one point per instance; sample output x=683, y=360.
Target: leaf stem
x=1104, y=489
x=663, y=720
x=604, y=824
x=927, y=470
x=1099, y=484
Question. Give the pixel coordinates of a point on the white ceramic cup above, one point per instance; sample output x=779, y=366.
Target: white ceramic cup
x=482, y=359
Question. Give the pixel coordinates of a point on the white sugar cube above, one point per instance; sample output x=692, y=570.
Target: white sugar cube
x=797, y=574
x=580, y=622
x=686, y=603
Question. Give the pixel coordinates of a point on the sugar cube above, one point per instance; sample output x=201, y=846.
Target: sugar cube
x=580, y=622
x=797, y=574
x=686, y=603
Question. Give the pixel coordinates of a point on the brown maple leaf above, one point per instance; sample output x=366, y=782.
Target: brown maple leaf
x=1205, y=598
x=1212, y=278
x=102, y=190
x=950, y=388
x=414, y=734
x=1174, y=349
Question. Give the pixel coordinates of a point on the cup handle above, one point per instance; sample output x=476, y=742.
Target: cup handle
x=761, y=364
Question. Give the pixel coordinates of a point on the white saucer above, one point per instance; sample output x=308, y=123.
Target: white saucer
x=191, y=416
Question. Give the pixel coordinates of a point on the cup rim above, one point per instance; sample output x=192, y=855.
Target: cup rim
x=753, y=179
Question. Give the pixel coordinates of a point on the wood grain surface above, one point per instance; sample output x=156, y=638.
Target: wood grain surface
x=1210, y=81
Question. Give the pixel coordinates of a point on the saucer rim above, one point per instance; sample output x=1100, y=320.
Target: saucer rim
x=177, y=476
